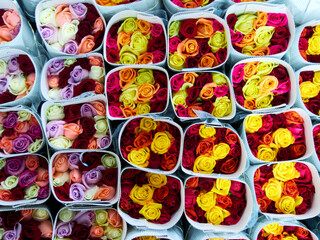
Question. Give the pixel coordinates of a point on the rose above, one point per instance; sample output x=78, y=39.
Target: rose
x=113, y=233
x=273, y=228
x=47, y=16
x=273, y=189
x=65, y=215
x=10, y=183
x=77, y=192
x=231, y=20
x=277, y=19
x=68, y=31
x=267, y=153
x=80, y=232
x=176, y=61
x=216, y=215
x=188, y=28
x=173, y=44
x=283, y=137
x=141, y=195
x=62, y=192
x=90, y=178
x=285, y=171
x=55, y=112
x=32, y=191
x=21, y=143
x=25, y=64
x=151, y=211
x=14, y=166
x=61, y=142
x=218, y=41
x=244, y=23
x=287, y=204
x=70, y=47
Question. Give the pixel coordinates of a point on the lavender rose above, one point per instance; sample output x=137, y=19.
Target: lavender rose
x=70, y=47
x=15, y=165
x=87, y=110
x=3, y=83
x=76, y=192
x=55, y=67
x=27, y=178
x=78, y=10
x=85, y=218
x=64, y=229
x=13, y=234
x=13, y=66
x=21, y=143
x=11, y=120
x=104, y=141
x=54, y=129
x=67, y=92
x=90, y=178
x=77, y=74
x=49, y=33
x=74, y=159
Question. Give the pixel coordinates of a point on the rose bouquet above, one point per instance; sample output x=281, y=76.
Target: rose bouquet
x=135, y=38
x=203, y=91
x=150, y=199
x=260, y=29
x=212, y=150
x=24, y=178
x=308, y=44
x=278, y=137
x=136, y=91
x=197, y=42
x=21, y=132
x=85, y=177
x=263, y=84
x=80, y=125
x=286, y=188
x=174, y=233
x=155, y=144
x=316, y=138
x=26, y=224
x=67, y=78
x=70, y=28
x=101, y=223
x=10, y=23
x=217, y=204
x=191, y=3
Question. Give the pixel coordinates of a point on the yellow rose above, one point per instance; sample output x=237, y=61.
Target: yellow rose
x=316, y=78
x=129, y=96
x=180, y=98
x=206, y=200
x=139, y=42
x=221, y=186
x=267, y=153
x=157, y=180
x=244, y=23
x=143, y=108
x=273, y=189
x=147, y=124
x=251, y=90
x=219, y=79
x=161, y=142
x=206, y=132
x=313, y=45
x=263, y=36
x=204, y=164
x=264, y=68
x=282, y=137
x=253, y=123
x=264, y=101
x=308, y=90
x=222, y=107
x=147, y=238
x=218, y=41
x=141, y=195
x=287, y=204
x=220, y=151
x=273, y=228
x=174, y=28
x=144, y=76
x=289, y=237
x=216, y=215
x=176, y=61
x=129, y=25
x=285, y=171
x=151, y=211
x=268, y=84
x=139, y=157
x=128, y=55
x=185, y=86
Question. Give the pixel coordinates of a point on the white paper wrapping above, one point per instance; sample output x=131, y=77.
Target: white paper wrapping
x=304, y=11
x=29, y=7
x=174, y=233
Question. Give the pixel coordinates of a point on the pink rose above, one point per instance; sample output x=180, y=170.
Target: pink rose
x=173, y=44
x=221, y=91
x=297, y=131
x=283, y=87
x=277, y=19
x=177, y=82
x=238, y=73
x=305, y=173
x=158, y=56
x=181, y=111
x=190, y=197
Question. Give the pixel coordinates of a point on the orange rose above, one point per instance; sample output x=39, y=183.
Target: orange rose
x=76, y=176
x=93, y=144
x=127, y=77
x=207, y=91
x=63, y=15
x=297, y=150
x=230, y=165
x=198, y=2
x=114, y=218
x=256, y=176
x=250, y=69
x=146, y=91
x=96, y=231
x=5, y=195
x=123, y=39
x=293, y=117
x=261, y=20
x=266, y=139
x=127, y=111
x=144, y=139
x=99, y=89
x=5, y=34
x=72, y=130
x=208, y=60
x=22, y=127
x=273, y=237
x=205, y=146
x=247, y=39
x=188, y=47
x=61, y=163
x=191, y=214
x=249, y=104
x=99, y=107
x=263, y=203
x=231, y=137
x=192, y=182
x=204, y=28
x=21, y=96
x=45, y=229
x=290, y=189
x=26, y=214
x=196, y=106
x=169, y=162
x=145, y=58
x=190, y=5
x=30, y=81
x=268, y=84
x=86, y=45
x=32, y=162
x=95, y=61
x=264, y=51
x=33, y=121
x=105, y=193
x=6, y=144
x=98, y=25
x=190, y=77
x=43, y=177
x=302, y=232
x=303, y=54
x=224, y=201
x=144, y=26
x=106, y=3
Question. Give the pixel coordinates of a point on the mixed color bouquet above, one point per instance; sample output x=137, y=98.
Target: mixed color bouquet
x=197, y=43
x=26, y=224
x=71, y=77
x=17, y=76
x=23, y=178
x=260, y=33
x=20, y=132
x=261, y=84
x=79, y=126
x=133, y=91
x=211, y=150
x=308, y=44
x=205, y=91
x=215, y=201
x=276, y=137
x=10, y=24
x=191, y=3
x=89, y=224
x=154, y=197
x=110, y=3
x=147, y=143
x=316, y=138
x=85, y=176
x=71, y=28
x=136, y=41
x=284, y=188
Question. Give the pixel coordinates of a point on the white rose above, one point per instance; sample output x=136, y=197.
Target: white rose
x=1, y=130
x=17, y=85
x=65, y=215
x=33, y=147
x=89, y=193
x=32, y=191
x=61, y=142
x=24, y=116
x=68, y=31
x=1, y=232
x=55, y=112
x=101, y=126
x=97, y=73
x=3, y=67
x=55, y=94
x=10, y=182
x=47, y=16
x=57, y=46
x=40, y=214
x=61, y=180
x=108, y=161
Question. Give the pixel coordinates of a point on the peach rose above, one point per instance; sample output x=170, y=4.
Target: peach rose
x=6, y=144
x=96, y=231
x=22, y=127
x=99, y=107
x=93, y=144
x=99, y=89
x=5, y=35
x=123, y=39
x=114, y=218
x=250, y=69
x=144, y=26
x=127, y=111
x=264, y=51
x=53, y=81
x=76, y=176
x=61, y=163
x=204, y=28
x=105, y=193
x=72, y=130
x=45, y=229
x=21, y=96
x=63, y=15
x=145, y=58
x=98, y=25
x=127, y=77
x=30, y=80
x=32, y=162
x=96, y=61
x=208, y=60
x=146, y=91
x=207, y=91
x=188, y=47
x=26, y=214
x=11, y=18
x=5, y=195
x=86, y=45
x=43, y=174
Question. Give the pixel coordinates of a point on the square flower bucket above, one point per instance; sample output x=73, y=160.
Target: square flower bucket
x=175, y=6
x=27, y=223
x=205, y=211
x=209, y=92
x=136, y=90
x=24, y=180
x=79, y=124
x=204, y=142
x=315, y=158
x=159, y=207
x=152, y=144
x=210, y=51
x=278, y=136
x=274, y=84
x=80, y=177
x=21, y=131
x=286, y=190
x=282, y=40
x=20, y=78
x=135, y=48
x=69, y=78
x=89, y=223
x=174, y=233
x=65, y=27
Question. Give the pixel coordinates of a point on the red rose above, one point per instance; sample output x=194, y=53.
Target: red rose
x=112, y=55
x=200, y=214
x=188, y=159
x=98, y=38
x=72, y=112
x=113, y=98
x=203, y=46
x=90, y=160
x=283, y=154
x=173, y=184
x=267, y=124
x=277, y=48
x=252, y=140
x=81, y=142
x=207, y=106
x=62, y=192
x=191, y=214
x=203, y=79
x=160, y=78
x=25, y=64
x=134, y=211
x=205, y=183
x=160, y=194
x=2, y=11
x=129, y=176
x=313, y=106
x=279, y=121
x=3, y=176
x=125, y=191
x=188, y=28
x=302, y=208
x=142, y=178
x=8, y=132
x=313, y=58
x=158, y=106
x=164, y=218
x=18, y=193
x=237, y=189
x=221, y=55
x=231, y=20
x=193, y=94
x=157, y=43
x=171, y=203
x=83, y=62
x=265, y=172
x=155, y=160
x=110, y=176
x=80, y=232
x=258, y=191
x=305, y=173
x=64, y=76
x=191, y=62
x=281, y=32
x=307, y=75
x=191, y=195
x=125, y=205
x=92, y=13
x=7, y=97
x=87, y=125
x=31, y=231
x=280, y=73
x=87, y=85
x=158, y=56
x=303, y=44
x=217, y=26
x=308, y=32
x=10, y=218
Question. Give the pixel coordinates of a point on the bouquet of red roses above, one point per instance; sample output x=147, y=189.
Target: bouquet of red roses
x=153, y=197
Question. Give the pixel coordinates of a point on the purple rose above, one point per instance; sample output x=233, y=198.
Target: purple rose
x=77, y=74
x=13, y=234
x=87, y=110
x=11, y=120
x=73, y=159
x=90, y=178
x=35, y=132
x=104, y=141
x=55, y=67
x=13, y=66
x=85, y=218
x=43, y=192
x=15, y=165
x=54, y=128
x=14, y=32
x=70, y=47
x=49, y=33
x=64, y=229
x=76, y=192
x=21, y=143
x=27, y=178
x=78, y=10
x=3, y=83
x=67, y=92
